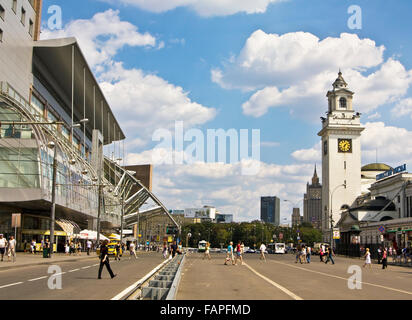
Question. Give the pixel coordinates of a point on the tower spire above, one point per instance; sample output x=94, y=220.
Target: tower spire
x=315, y=179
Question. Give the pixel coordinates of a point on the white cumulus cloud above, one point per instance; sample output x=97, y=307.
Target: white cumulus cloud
x=102, y=36
x=206, y=8
x=296, y=70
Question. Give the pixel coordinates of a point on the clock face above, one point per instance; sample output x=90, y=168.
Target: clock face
x=345, y=145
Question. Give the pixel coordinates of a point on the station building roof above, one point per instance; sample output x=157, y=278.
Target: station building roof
x=55, y=56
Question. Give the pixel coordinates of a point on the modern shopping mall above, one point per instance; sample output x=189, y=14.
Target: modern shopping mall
x=52, y=110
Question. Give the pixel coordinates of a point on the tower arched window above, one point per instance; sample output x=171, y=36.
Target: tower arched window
x=342, y=103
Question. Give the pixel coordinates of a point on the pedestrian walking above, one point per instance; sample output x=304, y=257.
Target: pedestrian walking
x=173, y=248
x=34, y=246
x=11, y=252
x=308, y=254
x=3, y=246
x=298, y=254
x=46, y=246
x=239, y=253
x=330, y=255
x=367, y=257
x=117, y=254
x=229, y=254
x=67, y=248
x=207, y=252
x=303, y=255
x=104, y=260
x=262, y=252
x=385, y=259
x=165, y=250
x=322, y=253
x=89, y=247
x=132, y=249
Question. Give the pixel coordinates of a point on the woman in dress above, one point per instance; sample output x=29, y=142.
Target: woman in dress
x=207, y=251
x=367, y=257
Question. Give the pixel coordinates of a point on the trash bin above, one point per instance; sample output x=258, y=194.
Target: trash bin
x=46, y=252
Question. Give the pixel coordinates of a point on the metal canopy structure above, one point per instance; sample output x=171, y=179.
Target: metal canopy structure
x=134, y=202
x=55, y=57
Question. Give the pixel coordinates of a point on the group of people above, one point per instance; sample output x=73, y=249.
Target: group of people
x=382, y=258
x=303, y=254
x=8, y=248
x=233, y=255
x=170, y=251
x=398, y=255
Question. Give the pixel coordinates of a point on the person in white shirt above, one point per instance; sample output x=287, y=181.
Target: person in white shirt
x=308, y=254
x=89, y=247
x=12, y=249
x=132, y=250
x=67, y=248
x=262, y=252
x=3, y=245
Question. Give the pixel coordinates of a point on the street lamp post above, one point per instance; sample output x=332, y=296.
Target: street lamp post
x=331, y=213
x=54, y=146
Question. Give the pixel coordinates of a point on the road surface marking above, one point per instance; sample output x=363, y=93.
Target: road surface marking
x=57, y=274
x=337, y=277
x=95, y=265
x=9, y=285
x=289, y=293
x=74, y=270
x=87, y=267
x=37, y=279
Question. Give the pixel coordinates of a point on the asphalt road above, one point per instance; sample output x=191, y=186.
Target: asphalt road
x=79, y=279
x=280, y=278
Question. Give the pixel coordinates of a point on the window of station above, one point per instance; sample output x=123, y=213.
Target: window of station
x=31, y=27
x=2, y=12
x=1, y=35
x=342, y=103
x=23, y=16
x=37, y=104
x=14, y=6
x=66, y=132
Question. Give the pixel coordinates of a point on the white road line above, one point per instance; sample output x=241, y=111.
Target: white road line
x=95, y=265
x=57, y=274
x=74, y=270
x=37, y=279
x=86, y=267
x=9, y=285
x=346, y=279
x=289, y=293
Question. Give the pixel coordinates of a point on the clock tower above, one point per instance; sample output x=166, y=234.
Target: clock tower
x=341, y=155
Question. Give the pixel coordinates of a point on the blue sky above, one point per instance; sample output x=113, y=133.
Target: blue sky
x=192, y=41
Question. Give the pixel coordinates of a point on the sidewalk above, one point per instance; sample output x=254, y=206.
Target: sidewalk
x=391, y=261
x=27, y=259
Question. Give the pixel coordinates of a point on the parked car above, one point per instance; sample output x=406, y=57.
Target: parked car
x=250, y=251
